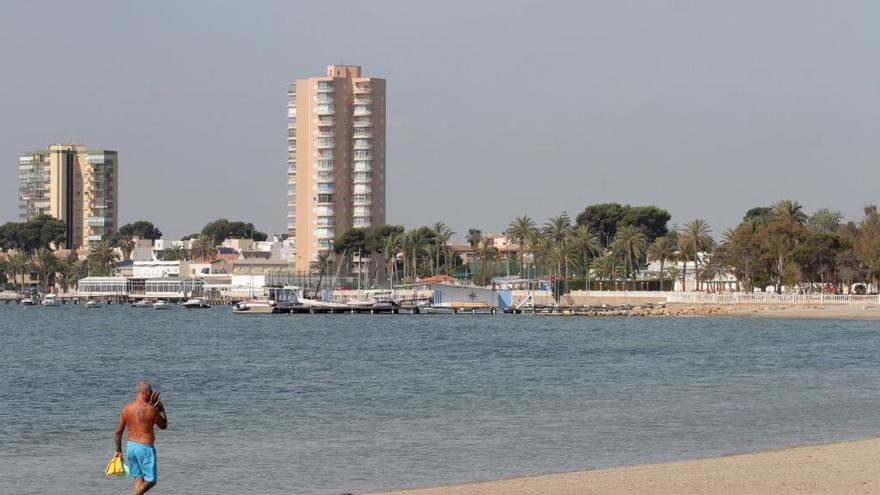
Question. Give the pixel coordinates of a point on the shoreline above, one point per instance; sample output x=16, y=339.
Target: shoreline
x=812, y=311
x=839, y=467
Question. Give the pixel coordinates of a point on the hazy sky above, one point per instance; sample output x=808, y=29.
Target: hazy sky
x=495, y=109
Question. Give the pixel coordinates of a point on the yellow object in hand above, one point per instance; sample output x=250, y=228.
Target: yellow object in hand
x=115, y=467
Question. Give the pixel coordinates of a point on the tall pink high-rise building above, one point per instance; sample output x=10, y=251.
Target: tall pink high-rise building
x=336, y=158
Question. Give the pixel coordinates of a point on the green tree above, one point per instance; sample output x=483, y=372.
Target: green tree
x=142, y=229
x=221, y=229
x=825, y=221
x=473, y=237
x=204, y=248
x=517, y=233
x=663, y=249
x=791, y=210
x=632, y=243
x=67, y=269
x=45, y=264
x=486, y=252
x=695, y=238
x=40, y=231
x=606, y=218
x=557, y=230
x=101, y=259
x=585, y=244
x=442, y=235
x=780, y=239
x=18, y=264
x=176, y=253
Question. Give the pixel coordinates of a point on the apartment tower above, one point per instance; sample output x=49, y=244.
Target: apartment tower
x=72, y=184
x=336, y=158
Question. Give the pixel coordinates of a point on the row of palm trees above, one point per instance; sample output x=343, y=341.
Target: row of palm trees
x=50, y=268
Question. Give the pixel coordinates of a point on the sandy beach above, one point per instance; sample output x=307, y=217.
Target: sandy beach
x=837, y=468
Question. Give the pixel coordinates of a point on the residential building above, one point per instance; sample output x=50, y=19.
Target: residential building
x=336, y=158
x=76, y=185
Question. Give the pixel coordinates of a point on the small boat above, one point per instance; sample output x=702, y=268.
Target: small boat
x=162, y=305
x=91, y=303
x=255, y=307
x=50, y=300
x=436, y=310
x=196, y=303
x=143, y=303
x=28, y=301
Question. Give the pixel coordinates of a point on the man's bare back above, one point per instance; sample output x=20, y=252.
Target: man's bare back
x=140, y=416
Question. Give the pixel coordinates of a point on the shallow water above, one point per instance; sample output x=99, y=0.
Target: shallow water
x=327, y=404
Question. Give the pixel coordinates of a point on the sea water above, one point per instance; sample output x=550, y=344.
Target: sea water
x=327, y=404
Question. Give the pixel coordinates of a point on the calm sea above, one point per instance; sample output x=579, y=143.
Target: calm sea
x=327, y=404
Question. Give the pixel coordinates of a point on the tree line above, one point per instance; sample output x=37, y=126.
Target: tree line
x=607, y=246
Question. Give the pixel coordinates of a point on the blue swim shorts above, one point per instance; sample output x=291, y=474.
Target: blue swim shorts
x=141, y=461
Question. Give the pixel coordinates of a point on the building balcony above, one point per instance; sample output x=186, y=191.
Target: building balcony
x=362, y=101
x=363, y=146
x=291, y=214
x=96, y=238
x=325, y=211
x=361, y=89
x=362, y=123
x=99, y=221
x=361, y=111
x=363, y=133
x=291, y=225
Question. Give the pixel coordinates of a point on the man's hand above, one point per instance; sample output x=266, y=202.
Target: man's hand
x=159, y=406
x=154, y=398
x=117, y=454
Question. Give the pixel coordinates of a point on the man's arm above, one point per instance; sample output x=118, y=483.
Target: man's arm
x=120, y=427
x=161, y=417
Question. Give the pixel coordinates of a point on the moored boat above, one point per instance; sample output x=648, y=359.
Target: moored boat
x=143, y=303
x=92, y=303
x=50, y=300
x=28, y=301
x=255, y=307
x=162, y=305
x=196, y=302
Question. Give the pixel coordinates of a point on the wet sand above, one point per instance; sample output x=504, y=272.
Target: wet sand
x=837, y=468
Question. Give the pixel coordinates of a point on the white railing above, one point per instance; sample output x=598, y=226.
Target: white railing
x=767, y=298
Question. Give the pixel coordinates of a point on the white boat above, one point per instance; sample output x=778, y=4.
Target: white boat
x=196, y=303
x=91, y=303
x=143, y=303
x=50, y=300
x=255, y=307
x=162, y=305
x=28, y=301
x=322, y=305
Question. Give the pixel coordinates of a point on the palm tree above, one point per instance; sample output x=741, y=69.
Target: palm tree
x=204, y=248
x=319, y=265
x=517, y=233
x=442, y=235
x=101, y=259
x=415, y=241
x=390, y=251
x=606, y=268
x=127, y=246
x=557, y=230
x=67, y=271
x=791, y=210
x=663, y=249
x=486, y=251
x=695, y=238
x=632, y=243
x=586, y=244
x=533, y=241
x=176, y=253
x=431, y=252
x=16, y=264
x=45, y=263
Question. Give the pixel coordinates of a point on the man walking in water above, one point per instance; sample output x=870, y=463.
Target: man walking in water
x=139, y=416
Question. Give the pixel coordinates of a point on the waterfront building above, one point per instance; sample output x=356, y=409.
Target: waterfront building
x=73, y=184
x=336, y=158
